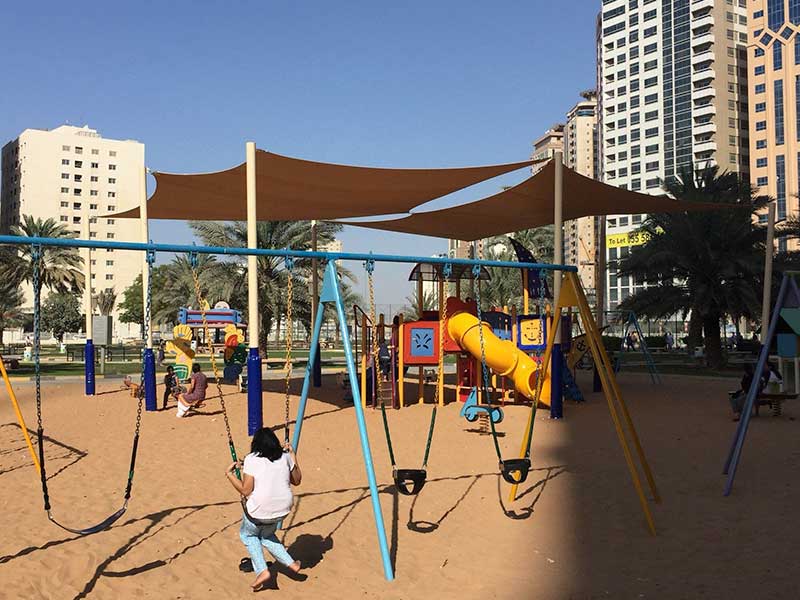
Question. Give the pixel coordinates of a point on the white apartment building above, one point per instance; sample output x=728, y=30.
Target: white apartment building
x=54, y=173
x=580, y=155
x=672, y=87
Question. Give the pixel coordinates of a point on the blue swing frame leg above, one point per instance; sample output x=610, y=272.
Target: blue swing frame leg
x=150, y=403
x=255, y=415
x=735, y=453
x=330, y=293
x=556, y=391
x=88, y=356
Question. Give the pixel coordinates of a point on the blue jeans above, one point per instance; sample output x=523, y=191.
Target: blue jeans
x=254, y=537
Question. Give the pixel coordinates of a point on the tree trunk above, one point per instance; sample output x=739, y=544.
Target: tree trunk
x=695, y=335
x=711, y=330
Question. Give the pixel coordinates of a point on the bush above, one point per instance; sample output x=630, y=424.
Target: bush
x=612, y=343
x=655, y=341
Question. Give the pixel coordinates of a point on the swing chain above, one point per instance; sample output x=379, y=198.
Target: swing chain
x=210, y=345
x=289, y=341
x=370, y=267
x=150, y=258
x=36, y=257
x=485, y=370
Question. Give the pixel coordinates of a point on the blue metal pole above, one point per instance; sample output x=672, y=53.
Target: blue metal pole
x=149, y=383
x=735, y=452
x=327, y=256
x=362, y=429
x=301, y=409
x=556, y=383
x=255, y=417
x=317, y=366
x=88, y=356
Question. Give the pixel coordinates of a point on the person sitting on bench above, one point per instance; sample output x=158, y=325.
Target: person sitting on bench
x=738, y=398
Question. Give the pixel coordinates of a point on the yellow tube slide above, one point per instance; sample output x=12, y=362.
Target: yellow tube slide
x=502, y=356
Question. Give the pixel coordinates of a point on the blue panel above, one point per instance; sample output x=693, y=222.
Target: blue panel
x=422, y=342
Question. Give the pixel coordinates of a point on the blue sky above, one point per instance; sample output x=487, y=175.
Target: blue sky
x=403, y=84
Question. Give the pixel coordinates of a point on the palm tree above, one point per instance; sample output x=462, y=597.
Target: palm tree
x=178, y=289
x=705, y=263
x=411, y=309
x=272, y=272
x=60, y=267
x=11, y=300
x=104, y=302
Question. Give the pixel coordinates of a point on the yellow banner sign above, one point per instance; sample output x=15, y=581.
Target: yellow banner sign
x=633, y=238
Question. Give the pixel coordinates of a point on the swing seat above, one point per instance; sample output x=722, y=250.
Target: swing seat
x=101, y=526
x=495, y=412
x=409, y=482
x=515, y=470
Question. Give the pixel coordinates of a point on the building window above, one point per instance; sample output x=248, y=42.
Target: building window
x=650, y=98
x=78, y=150
x=109, y=263
x=94, y=179
x=65, y=190
x=109, y=221
x=650, y=48
x=93, y=192
x=95, y=151
x=93, y=207
x=651, y=166
x=623, y=221
x=64, y=218
x=760, y=88
x=111, y=207
x=110, y=236
x=64, y=161
x=78, y=177
x=775, y=14
x=109, y=276
x=92, y=219
x=762, y=181
x=780, y=185
x=652, y=132
x=761, y=162
x=77, y=191
x=761, y=106
x=112, y=180
x=759, y=52
x=777, y=56
x=65, y=148
x=112, y=152
x=76, y=205
x=652, y=149
x=779, y=111
x=112, y=194
x=64, y=204
x=112, y=167
x=761, y=125
x=653, y=183
x=65, y=176
x=759, y=70
x=761, y=144
x=95, y=165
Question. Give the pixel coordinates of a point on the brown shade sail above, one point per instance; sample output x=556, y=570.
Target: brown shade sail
x=530, y=204
x=291, y=189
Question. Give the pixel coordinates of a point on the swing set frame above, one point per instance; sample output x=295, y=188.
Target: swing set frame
x=331, y=294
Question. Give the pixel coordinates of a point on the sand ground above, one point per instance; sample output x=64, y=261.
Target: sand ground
x=575, y=532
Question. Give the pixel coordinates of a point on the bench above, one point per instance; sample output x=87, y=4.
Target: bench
x=773, y=400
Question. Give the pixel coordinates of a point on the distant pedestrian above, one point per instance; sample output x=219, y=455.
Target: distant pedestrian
x=669, y=340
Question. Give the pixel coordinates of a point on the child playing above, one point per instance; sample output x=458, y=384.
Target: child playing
x=268, y=473
x=171, y=386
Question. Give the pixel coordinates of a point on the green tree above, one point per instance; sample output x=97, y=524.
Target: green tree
x=61, y=314
x=709, y=263
x=231, y=276
x=11, y=301
x=60, y=267
x=410, y=309
x=131, y=309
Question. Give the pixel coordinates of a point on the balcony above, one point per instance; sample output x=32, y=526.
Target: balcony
x=701, y=56
x=704, y=146
x=704, y=109
x=704, y=21
x=699, y=5
x=704, y=92
x=703, y=39
x=704, y=128
x=703, y=75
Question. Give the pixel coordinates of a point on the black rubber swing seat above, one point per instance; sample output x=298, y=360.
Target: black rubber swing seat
x=102, y=525
x=515, y=470
x=409, y=482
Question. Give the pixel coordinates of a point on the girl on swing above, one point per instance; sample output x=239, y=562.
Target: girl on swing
x=268, y=473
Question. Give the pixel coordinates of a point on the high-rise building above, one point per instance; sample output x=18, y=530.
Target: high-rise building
x=53, y=173
x=672, y=87
x=580, y=154
x=774, y=64
x=547, y=145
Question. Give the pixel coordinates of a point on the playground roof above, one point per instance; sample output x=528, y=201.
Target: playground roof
x=429, y=272
x=291, y=189
x=530, y=204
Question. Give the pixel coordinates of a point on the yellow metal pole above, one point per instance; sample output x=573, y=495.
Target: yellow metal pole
x=401, y=362
x=20, y=419
x=611, y=389
x=606, y=361
x=525, y=296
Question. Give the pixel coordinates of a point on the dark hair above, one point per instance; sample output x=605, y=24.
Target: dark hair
x=196, y=368
x=170, y=369
x=265, y=443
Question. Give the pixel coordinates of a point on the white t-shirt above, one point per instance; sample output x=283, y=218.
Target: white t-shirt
x=272, y=493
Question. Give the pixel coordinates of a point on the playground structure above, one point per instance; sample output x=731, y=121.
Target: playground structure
x=630, y=325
